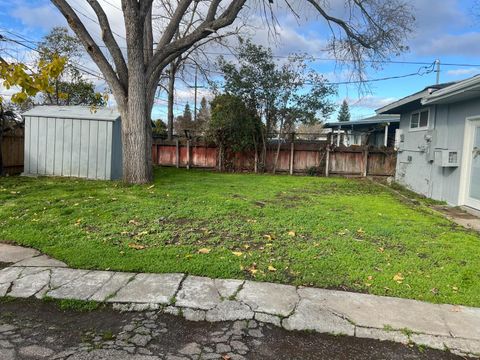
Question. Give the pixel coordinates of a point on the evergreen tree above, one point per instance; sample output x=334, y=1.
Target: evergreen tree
x=203, y=117
x=344, y=113
x=184, y=121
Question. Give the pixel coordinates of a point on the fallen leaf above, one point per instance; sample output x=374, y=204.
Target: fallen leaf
x=136, y=246
x=142, y=233
x=188, y=256
x=78, y=222
x=204, y=250
x=246, y=246
x=134, y=222
x=291, y=233
x=370, y=277
x=398, y=278
x=268, y=237
x=150, y=187
x=237, y=253
x=381, y=249
x=271, y=268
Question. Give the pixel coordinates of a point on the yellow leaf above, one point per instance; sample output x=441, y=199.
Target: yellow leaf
x=268, y=237
x=204, y=251
x=142, y=233
x=237, y=253
x=271, y=268
x=134, y=222
x=188, y=256
x=398, y=278
x=136, y=246
x=150, y=187
x=291, y=233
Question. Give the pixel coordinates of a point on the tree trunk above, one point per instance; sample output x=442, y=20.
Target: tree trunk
x=1, y=140
x=171, y=88
x=278, y=147
x=136, y=127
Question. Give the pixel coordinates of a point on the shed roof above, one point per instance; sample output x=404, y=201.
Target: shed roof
x=74, y=112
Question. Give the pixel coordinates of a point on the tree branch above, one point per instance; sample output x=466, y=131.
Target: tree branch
x=110, y=42
x=92, y=48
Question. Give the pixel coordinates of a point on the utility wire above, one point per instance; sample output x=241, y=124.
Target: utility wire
x=75, y=65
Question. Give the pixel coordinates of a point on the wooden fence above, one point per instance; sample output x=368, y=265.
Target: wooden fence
x=12, y=151
x=294, y=158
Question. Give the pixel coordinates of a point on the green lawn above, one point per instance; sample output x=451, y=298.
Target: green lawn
x=332, y=233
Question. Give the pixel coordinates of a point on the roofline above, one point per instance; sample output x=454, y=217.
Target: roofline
x=408, y=99
x=452, y=90
x=363, y=122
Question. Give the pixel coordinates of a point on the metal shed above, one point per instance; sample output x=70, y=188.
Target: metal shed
x=73, y=141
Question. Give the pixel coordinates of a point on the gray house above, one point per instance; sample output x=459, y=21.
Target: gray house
x=375, y=131
x=438, y=142
x=73, y=141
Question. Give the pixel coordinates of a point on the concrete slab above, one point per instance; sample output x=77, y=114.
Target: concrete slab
x=274, y=299
x=61, y=276
x=229, y=310
x=4, y=288
x=81, y=288
x=463, y=322
x=111, y=287
x=9, y=274
x=380, y=311
x=382, y=335
x=42, y=260
x=13, y=254
x=310, y=315
x=149, y=288
x=29, y=285
x=198, y=293
x=228, y=288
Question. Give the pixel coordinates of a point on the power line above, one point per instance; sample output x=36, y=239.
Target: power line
x=75, y=65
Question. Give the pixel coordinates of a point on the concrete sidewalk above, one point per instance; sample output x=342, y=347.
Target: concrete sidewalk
x=294, y=308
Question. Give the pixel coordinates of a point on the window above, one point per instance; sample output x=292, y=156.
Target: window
x=419, y=120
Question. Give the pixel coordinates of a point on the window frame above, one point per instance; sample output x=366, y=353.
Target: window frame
x=419, y=128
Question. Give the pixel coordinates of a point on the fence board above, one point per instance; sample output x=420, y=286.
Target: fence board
x=342, y=161
x=13, y=152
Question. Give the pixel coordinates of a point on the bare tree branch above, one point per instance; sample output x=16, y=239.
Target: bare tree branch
x=110, y=42
x=93, y=49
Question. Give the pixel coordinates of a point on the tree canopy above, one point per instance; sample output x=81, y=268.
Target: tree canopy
x=365, y=30
x=344, y=112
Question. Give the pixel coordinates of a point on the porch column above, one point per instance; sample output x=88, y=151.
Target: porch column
x=385, y=138
x=338, y=135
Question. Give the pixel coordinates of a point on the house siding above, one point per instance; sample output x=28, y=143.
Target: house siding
x=416, y=167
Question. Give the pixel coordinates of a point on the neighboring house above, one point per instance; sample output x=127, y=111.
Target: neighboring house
x=439, y=142
x=375, y=131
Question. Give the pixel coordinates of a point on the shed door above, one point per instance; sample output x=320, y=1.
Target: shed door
x=473, y=189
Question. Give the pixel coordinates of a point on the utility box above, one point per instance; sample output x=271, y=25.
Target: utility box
x=73, y=141
x=447, y=158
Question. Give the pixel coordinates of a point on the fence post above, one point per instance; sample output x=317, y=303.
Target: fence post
x=365, y=163
x=188, y=153
x=177, y=153
x=292, y=153
x=327, y=161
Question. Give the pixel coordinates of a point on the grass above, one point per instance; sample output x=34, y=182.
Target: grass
x=325, y=232
x=74, y=305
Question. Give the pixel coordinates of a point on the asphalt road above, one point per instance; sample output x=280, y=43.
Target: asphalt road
x=33, y=329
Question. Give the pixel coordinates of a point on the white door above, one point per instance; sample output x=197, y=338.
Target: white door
x=473, y=154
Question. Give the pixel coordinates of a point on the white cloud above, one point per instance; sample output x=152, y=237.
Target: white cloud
x=370, y=102
x=463, y=72
x=43, y=16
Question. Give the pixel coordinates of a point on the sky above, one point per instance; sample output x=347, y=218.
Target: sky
x=447, y=30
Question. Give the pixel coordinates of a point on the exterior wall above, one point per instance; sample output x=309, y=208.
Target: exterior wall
x=416, y=168
x=68, y=147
